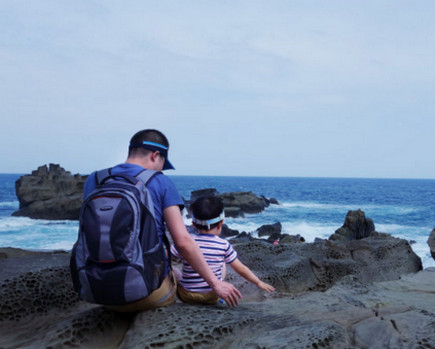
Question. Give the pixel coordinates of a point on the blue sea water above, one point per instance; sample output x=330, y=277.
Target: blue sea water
x=311, y=207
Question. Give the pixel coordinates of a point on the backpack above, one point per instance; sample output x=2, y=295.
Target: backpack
x=118, y=257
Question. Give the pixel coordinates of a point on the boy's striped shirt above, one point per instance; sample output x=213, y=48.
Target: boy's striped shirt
x=216, y=251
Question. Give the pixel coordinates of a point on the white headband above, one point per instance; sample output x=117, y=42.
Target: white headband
x=208, y=222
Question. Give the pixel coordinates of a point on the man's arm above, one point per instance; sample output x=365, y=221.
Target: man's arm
x=187, y=246
x=246, y=273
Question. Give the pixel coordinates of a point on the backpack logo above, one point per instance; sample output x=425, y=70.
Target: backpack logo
x=106, y=208
x=119, y=257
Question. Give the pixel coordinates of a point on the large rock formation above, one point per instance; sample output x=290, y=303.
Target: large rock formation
x=53, y=193
x=356, y=226
x=431, y=243
x=270, y=229
x=236, y=204
x=39, y=308
x=50, y=193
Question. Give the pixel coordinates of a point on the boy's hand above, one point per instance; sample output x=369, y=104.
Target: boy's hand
x=266, y=287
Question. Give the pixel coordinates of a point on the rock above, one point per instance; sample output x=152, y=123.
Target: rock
x=242, y=237
x=356, y=226
x=228, y=232
x=274, y=201
x=291, y=239
x=236, y=204
x=196, y=194
x=274, y=237
x=369, y=287
x=234, y=212
x=248, y=202
x=269, y=229
x=50, y=193
x=431, y=243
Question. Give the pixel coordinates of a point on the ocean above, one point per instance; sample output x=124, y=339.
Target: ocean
x=311, y=207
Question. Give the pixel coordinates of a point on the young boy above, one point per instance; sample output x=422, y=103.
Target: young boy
x=208, y=218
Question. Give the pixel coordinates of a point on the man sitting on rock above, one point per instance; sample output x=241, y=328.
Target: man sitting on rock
x=149, y=150
x=208, y=218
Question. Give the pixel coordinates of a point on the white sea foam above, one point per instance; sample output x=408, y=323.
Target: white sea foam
x=345, y=207
x=10, y=204
x=16, y=223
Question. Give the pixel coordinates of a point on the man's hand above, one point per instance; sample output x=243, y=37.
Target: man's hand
x=228, y=293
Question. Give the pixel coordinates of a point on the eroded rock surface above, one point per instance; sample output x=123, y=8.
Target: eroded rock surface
x=39, y=308
x=50, y=193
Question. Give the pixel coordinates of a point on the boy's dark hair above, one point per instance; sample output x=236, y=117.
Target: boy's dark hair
x=148, y=135
x=205, y=208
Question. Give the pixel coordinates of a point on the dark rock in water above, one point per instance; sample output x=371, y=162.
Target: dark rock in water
x=242, y=237
x=248, y=202
x=196, y=194
x=271, y=201
x=431, y=243
x=270, y=229
x=228, y=232
x=234, y=212
x=291, y=239
x=356, y=226
x=50, y=193
x=236, y=204
x=274, y=201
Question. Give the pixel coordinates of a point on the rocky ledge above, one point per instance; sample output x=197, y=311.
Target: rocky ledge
x=365, y=293
x=50, y=193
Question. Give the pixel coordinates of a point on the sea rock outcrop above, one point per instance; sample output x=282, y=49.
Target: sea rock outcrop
x=50, y=193
x=431, y=243
x=356, y=226
x=39, y=308
x=236, y=204
x=270, y=229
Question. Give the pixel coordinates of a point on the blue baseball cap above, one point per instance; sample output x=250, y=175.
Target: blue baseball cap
x=156, y=147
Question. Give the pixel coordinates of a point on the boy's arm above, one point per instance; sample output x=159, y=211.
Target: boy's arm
x=245, y=272
x=188, y=248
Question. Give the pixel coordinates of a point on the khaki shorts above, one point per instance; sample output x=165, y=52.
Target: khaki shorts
x=196, y=297
x=162, y=297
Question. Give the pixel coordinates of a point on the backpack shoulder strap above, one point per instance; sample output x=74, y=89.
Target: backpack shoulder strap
x=102, y=174
x=145, y=176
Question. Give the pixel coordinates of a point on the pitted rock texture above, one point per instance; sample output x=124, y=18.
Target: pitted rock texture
x=50, y=193
x=34, y=293
x=295, y=268
x=39, y=309
x=351, y=314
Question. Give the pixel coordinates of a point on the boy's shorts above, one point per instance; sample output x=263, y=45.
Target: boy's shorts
x=161, y=297
x=196, y=297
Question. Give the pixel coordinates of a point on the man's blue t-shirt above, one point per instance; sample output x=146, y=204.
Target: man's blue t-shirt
x=161, y=188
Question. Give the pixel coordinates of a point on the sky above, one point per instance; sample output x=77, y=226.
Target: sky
x=241, y=88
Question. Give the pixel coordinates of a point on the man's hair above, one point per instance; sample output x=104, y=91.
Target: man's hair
x=146, y=136
x=205, y=208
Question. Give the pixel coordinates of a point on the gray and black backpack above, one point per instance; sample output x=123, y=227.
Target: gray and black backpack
x=118, y=257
